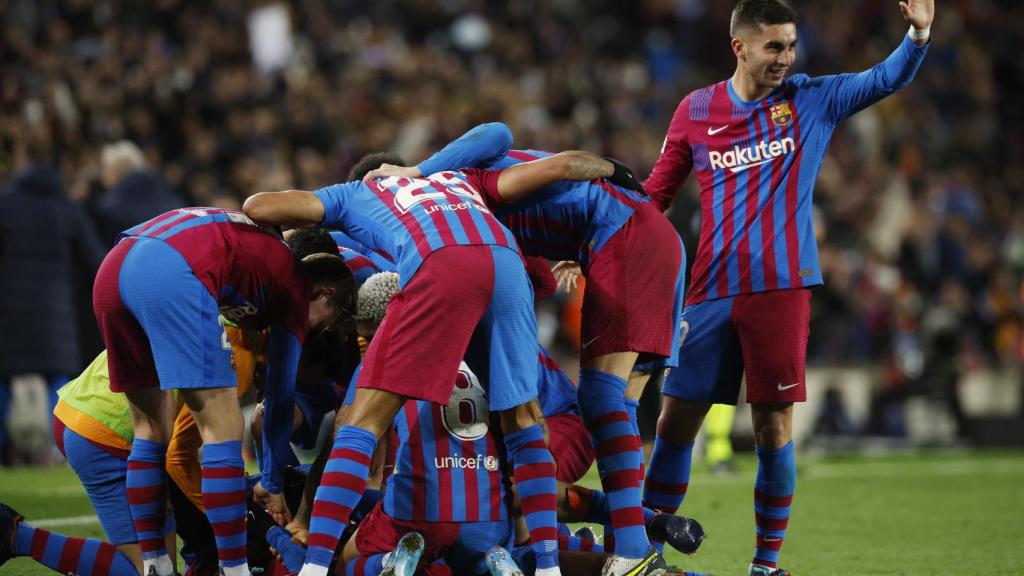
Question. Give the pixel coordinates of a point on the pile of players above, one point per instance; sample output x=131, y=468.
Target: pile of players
x=478, y=433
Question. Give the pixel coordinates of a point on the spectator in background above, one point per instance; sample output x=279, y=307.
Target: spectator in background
x=133, y=192
x=43, y=237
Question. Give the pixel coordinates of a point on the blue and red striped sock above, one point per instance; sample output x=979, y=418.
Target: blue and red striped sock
x=773, y=496
x=340, y=490
x=224, y=494
x=365, y=566
x=668, y=476
x=534, y=474
x=601, y=397
x=631, y=407
x=570, y=543
x=147, y=502
x=71, y=555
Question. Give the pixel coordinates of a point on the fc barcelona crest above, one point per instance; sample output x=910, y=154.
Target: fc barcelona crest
x=781, y=114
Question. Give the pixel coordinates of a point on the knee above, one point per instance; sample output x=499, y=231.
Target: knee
x=521, y=417
x=773, y=426
x=680, y=421
x=772, y=437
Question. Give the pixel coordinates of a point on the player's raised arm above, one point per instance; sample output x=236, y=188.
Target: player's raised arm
x=481, y=147
x=851, y=93
x=920, y=14
x=288, y=209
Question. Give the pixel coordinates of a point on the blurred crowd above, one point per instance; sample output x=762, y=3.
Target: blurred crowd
x=130, y=108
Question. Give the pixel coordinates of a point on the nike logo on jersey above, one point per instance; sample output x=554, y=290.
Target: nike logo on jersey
x=788, y=386
x=589, y=342
x=712, y=131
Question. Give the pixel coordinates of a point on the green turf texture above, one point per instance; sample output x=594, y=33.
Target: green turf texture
x=950, y=514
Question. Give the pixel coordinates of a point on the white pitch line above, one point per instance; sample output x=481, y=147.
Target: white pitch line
x=68, y=521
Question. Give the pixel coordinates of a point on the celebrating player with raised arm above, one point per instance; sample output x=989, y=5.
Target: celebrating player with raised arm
x=756, y=142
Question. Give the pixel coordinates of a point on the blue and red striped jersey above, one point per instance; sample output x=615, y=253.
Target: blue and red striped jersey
x=257, y=283
x=555, y=391
x=564, y=221
x=361, y=266
x=410, y=218
x=756, y=165
x=448, y=465
x=449, y=462
x=248, y=269
x=383, y=262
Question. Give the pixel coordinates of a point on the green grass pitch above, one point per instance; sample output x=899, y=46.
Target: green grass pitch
x=953, y=514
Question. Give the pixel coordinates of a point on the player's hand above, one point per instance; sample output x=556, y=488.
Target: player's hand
x=274, y=504
x=566, y=274
x=623, y=177
x=919, y=13
x=388, y=170
x=299, y=531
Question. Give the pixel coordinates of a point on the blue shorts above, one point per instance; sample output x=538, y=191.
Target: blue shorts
x=466, y=556
x=503, y=348
x=177, y=315
x=763, y=335
x=104, y=477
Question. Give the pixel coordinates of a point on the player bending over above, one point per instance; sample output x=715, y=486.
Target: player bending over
x=157, y=298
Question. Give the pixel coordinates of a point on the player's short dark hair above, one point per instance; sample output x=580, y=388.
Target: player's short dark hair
x=331, y=270
x=372, y=161
x=308, y=241
x=753, y=13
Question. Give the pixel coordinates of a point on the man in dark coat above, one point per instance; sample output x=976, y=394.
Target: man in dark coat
x=44, y=238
